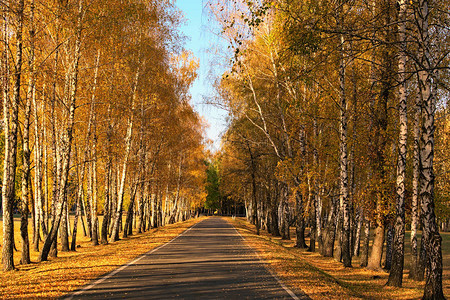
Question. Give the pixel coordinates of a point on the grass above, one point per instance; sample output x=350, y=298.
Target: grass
x=71, y=270
x=325, y=278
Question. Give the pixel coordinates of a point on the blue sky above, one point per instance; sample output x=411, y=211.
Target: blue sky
x=200, y=41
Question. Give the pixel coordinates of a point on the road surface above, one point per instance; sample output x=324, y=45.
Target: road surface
x=208, y=261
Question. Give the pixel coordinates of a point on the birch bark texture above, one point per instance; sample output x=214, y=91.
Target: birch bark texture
x=11, y=123
x=128, y=141
x=398, y=254
x=343, y=154
x=66, y=141
x=414, y=272
x=427, y=85
x=26, y=153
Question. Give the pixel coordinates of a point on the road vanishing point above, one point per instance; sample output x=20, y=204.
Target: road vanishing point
x=210, y=260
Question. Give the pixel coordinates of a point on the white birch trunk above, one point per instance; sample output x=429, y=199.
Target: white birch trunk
x=398, y=254
x=94, y=218
x=128, y=141
x=344, y=193
x=26, y=154
x=11, y=123
x=66, y=142
x=414, y=272
x=427, y=84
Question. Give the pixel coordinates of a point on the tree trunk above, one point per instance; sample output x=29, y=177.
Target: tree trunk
x=66, y=142
x=427, y=84
x=378, y=129
x=398, y=255
x=54, y=144
x=11, y=124
x=274, y=219
x=154, y=208
x=147, y=215
x=319, y=220
x=94, y=216
x=330, y=231
x=39, y=220
x=422, y=258
x=344, y=194
x=128, y=140
x=357, y=243
x=312, y=232
x=365, y=245
x=33, y=212
x=142, y=204
x=299, y=205
x=113, y=187
x=414, y=272
x=86, y=209
x=339, y=232
x=159, y=211
x=376, y=254
x=300, y=224
x=108, y=181
x=287, y=219
x=77, y=203
x=177, y=193
x=73, y=245
x=64, y=227
x=254, y=201
x=128, y=220
x=389, y=246
x=26, y=148
x=46, y=216
x=106, y=210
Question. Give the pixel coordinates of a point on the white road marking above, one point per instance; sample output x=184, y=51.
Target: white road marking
x=114, y=272
x=288, y=290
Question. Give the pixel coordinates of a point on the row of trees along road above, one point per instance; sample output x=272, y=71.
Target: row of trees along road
x=96, y=118
x=339, y=119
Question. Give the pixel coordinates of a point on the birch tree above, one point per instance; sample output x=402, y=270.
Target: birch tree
x=128, y=141
x=11, y=123
x=31, y=94
x=396, y=272
x=427, y=88
x=66, y=142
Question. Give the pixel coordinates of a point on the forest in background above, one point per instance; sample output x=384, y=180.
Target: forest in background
x=97, y=121
x=339, y=121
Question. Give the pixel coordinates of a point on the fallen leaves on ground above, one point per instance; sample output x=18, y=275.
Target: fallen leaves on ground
x=71, y=270
x=322, y=277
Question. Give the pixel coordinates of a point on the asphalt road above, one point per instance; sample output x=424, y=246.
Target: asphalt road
x=208, y=261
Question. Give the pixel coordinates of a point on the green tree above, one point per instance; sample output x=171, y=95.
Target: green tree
x=212, y=186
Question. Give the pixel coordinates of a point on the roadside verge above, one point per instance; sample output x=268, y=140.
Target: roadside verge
x=320, y=277
x=72, y=270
